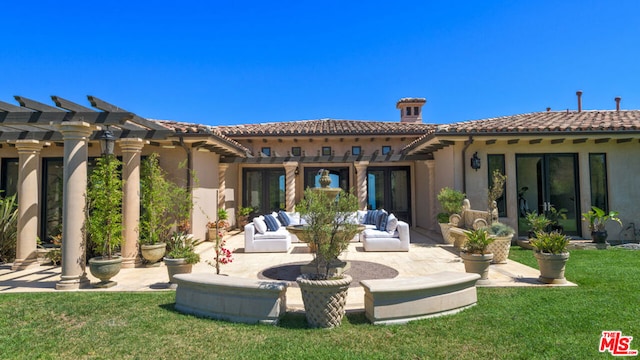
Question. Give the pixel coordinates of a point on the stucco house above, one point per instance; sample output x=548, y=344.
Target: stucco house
x=565, y=159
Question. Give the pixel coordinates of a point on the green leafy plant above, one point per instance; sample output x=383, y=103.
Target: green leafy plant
x=329, y=227
x=8, y=228
x=537, y=222
x=550, y=242
x=451, y=203
x=477, y=241
x=244, y=211
x=597, y=218
x=183, y=246
x=164, y=203
x=104, y=212
x=500, y=229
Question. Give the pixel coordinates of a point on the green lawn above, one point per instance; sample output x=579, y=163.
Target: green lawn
x=512, y=323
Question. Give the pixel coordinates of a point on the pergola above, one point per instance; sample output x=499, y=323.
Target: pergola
x=34, y=125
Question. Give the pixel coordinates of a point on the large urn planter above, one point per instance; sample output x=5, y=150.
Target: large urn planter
x=478, y=264
x=552, y=267
x=105, y=269
x=177, y=266
x=500, y=248
x=153, y=253
x=324, y=300
x=444, y=229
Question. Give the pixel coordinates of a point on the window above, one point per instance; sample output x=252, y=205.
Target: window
x=9, y=179
x=416, y=111
x=598, y=179
x=295, y=151
x=408, y=111
x=326, y=151
x=263, y=189
x=496, y=162
x=355, y=150
x=386, y=150
x=266, y=151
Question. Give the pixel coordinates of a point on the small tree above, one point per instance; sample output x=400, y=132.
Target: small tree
x=8, y=228
x=329, y=227
x=104, y=210
x=451, y=203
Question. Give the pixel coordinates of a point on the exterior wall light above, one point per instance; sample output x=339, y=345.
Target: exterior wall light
x=475, y=161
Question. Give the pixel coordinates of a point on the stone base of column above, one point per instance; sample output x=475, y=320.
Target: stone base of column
x=132, y=262
x=23, y=264
x=72, y=283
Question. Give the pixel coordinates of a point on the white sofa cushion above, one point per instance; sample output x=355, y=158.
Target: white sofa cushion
x=260, y=225
x=281, y=233
x=392, y=223
x=373, y=233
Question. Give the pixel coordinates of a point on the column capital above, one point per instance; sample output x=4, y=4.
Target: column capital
x=361, y=164
x=223, y=166
x=290, y=164
x=29, y=145
x=131, y=144
x=79, y=130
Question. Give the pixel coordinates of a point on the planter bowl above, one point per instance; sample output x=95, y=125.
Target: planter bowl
x=177, y=266
x=153, y=253
x=105, y=269
x=478, y=264
x=500, y=249
x=552, y=267
x=324, y=300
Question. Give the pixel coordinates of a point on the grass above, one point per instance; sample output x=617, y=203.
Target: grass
x=510, y=323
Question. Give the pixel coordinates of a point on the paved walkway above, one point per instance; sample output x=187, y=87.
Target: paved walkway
x=426, y=256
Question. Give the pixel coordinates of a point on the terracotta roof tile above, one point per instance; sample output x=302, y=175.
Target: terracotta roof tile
x=325, y=127
x=195, y=129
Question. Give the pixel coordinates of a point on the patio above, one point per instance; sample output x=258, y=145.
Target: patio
x=426, y=256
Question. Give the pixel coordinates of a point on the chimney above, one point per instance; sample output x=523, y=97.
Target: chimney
x=579, y=93
x=618, y=103
x=548, y=109
x=411, y=109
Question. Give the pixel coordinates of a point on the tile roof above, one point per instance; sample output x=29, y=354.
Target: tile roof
x=326, y=127
x=197, y=129
x=547, y=123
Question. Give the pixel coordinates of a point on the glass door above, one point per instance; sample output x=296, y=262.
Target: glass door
x=547, y=181
x=389, y=188
x=264, y=190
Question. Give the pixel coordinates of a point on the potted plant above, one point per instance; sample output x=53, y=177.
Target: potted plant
x=243, y=216
x=552, y=255
x=502, y=234
x=223, y=219
x=451, y=203
x=597, y=219
x=104, y=218
x=329, y=230
x=182, y=254
x=165, y=205
x=475, y=254
x=536, y=223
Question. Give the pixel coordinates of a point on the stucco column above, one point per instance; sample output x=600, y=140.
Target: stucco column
x=222, y=184
x=28, y=194
x=431, y=167
x=74, y=188
x=131, y=149
x=290, y=184
x=361, y=185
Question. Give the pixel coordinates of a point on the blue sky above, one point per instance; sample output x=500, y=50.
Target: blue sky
x=238, y=62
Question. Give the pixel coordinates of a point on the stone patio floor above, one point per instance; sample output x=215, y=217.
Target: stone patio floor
x=427, y=255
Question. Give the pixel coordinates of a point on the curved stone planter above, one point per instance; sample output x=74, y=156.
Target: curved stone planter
x=444, y=229
x=552, y=267
x=153, y=253
x=105, y=269
x=478, y=264
x=500, y=249
x=324, y=300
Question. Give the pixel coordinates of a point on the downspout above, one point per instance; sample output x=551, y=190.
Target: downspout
x=464, y=167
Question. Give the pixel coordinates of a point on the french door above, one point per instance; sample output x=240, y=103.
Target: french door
x=389, y=188
x=548, y=181
x=263, y=190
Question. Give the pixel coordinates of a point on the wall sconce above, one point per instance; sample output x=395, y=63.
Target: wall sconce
x=475, y=161
x=297, y=171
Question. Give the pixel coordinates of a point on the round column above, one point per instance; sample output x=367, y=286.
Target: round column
x=131, y=150
x=361, y=186
x=222, y=184
x=74, y=188
x=290, y=184
x=28, y=195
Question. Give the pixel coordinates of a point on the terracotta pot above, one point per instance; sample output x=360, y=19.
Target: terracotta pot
x=552, y=267
x=324, y=300
x=478, y=264
x=153, y=253
x=105, y=269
